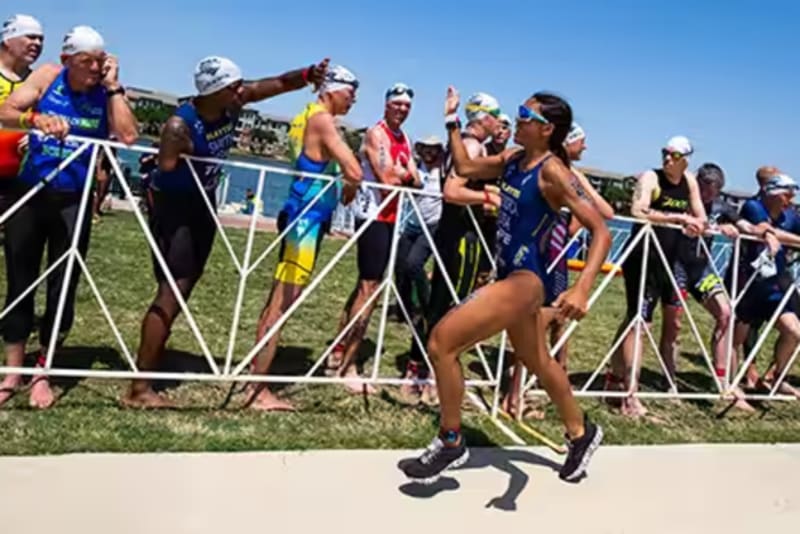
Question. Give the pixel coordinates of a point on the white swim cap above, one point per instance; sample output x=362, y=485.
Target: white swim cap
x=780, y=184
x=505, y=119
x=215, y=73
x=680, y=144
x=576, y=133
x=337, y=78
x=19, y=26
x=481, y=104
x=82, y=39
x=399, y=92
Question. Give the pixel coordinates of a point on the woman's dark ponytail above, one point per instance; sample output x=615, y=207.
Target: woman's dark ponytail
x=556, y=110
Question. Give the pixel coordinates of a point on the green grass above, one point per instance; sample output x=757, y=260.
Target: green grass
x=87, y=416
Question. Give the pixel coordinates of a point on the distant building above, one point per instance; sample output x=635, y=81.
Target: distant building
x=602, y=180
x=147, y=99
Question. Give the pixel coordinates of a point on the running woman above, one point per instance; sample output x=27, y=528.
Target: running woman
x=84, y=97
x=574, y=144
x=180, y=220
x=386, y=159
x=535, y=186
x=316, y=147
x=667, y=195
x=456, y=237
x=21, y=43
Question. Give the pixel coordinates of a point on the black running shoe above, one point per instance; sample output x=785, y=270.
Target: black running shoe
x=580, y=451
x=434, y=461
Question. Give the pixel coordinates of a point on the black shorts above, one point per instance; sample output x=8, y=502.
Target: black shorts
x=9, y=193
x=184, y=231
x=761, y=301
x=703, y=282
x=657, y=286
x=489, y=231
x=374, y=247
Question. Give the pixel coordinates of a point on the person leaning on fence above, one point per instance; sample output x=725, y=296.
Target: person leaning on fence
x=765, y=296
x=414, y=249
x=21, y=42
x=182, y=225
x=703, y=282
x=388, y=160
x=668, y=195
x=763, y=174
x=84, y=97
x=456, y=237
x=487, y=220
x=316, y=147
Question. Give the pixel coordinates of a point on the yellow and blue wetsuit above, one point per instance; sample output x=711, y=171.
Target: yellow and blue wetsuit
x=300, y=247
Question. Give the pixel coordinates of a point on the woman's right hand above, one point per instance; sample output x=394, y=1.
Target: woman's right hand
x=451, y=103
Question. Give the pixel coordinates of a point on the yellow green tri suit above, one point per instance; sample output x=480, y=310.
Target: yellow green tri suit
x=300, y=246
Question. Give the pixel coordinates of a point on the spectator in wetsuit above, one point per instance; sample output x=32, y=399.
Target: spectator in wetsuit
x=486, y=219
x=456, y=238
x=702, y=279
x=668, y=195
x=764, y=298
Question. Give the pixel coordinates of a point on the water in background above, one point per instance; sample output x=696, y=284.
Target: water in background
x=276, y=185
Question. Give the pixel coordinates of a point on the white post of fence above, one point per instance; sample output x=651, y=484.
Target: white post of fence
x=731, y=332
x=637, y=342
x=163, y=264
x=389, y=275
x=74, y=248
x=243, y=275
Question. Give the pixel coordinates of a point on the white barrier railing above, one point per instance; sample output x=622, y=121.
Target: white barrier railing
x=235, y=364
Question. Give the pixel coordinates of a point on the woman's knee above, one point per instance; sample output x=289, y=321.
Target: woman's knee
x=439, y=348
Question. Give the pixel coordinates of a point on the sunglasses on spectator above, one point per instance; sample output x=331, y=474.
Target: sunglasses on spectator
x=674, y=155
x=494, y=112
x=526, y=114
x=400, y=90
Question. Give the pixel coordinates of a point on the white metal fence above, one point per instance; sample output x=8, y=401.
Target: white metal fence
x=234, y=366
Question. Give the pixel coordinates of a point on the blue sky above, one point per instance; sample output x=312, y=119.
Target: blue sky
x=635, y=72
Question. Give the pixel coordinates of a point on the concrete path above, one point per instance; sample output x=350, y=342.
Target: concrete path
x=675, y=490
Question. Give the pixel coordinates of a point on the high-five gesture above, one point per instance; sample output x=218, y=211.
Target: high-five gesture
x=451, y=103
x=316, y=73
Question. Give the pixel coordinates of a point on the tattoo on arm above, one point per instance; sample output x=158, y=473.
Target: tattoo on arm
x=578, y=187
